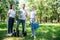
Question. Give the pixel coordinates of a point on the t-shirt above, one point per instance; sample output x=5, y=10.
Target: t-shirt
x=33, y=14
x=12, y=13
x=22, y=14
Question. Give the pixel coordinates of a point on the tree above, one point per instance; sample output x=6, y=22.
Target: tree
x=46, y=9
x=4, y=7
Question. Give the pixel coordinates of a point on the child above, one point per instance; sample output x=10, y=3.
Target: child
x=33, y=20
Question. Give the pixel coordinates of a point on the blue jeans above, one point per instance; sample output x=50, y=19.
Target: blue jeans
x=23, y=24
x=32, y=28
x=10, y=25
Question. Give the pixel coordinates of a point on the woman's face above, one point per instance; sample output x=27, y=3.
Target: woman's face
x=12, y=6
x=33, y=8
x=23, y=6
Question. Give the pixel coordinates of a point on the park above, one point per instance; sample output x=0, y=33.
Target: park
x=48, y=17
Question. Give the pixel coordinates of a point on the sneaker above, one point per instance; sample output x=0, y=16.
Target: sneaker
x=9, y=34
x=34, y=37
x=31, y=35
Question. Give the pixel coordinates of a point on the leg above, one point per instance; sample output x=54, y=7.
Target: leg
x=23, y=26
x=12, y=25
x=33, y=30
x=18, y=22
x=9, y=26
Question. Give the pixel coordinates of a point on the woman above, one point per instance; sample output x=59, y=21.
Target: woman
x=32, y=21
x=11, y=15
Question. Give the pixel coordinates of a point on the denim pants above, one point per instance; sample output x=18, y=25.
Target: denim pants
x=32, y=28
x=10, y=25
x=23, y=24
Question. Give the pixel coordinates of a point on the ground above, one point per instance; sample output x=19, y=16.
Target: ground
x=44, y=32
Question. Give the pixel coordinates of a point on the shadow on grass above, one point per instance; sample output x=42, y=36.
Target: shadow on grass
x=3, y=34
x=43, y=33
x=3, y=25
x=48, y=33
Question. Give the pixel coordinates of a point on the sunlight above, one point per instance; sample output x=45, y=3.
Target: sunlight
x=42, y=13
x=13, y=38
x=22, y=1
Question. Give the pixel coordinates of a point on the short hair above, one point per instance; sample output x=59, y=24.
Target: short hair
x=11, y=6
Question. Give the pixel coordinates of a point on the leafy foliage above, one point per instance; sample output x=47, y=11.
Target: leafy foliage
x=4, y=7
x=47, y=10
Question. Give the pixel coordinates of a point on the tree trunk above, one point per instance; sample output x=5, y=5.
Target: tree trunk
x=58, y=17
x=46, y=19
x=40, y=17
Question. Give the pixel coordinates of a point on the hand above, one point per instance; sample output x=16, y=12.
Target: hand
x=16, y=14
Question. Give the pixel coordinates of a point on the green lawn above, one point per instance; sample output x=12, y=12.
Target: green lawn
x=44, y=32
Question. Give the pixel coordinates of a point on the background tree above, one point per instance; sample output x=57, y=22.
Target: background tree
x=4, y=7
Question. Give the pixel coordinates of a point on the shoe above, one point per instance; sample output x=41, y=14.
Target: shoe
x=9, y=34
x=31, y=35
x=34, y=37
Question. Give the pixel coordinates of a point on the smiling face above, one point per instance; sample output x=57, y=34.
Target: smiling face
x=11, y=6
x=23, y=6
x=33, y=8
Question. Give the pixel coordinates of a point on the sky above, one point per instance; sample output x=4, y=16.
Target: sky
x=22, y=1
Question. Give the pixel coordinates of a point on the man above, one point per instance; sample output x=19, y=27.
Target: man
x=22, y=18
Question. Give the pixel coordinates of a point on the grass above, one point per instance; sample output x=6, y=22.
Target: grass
x=44, y=32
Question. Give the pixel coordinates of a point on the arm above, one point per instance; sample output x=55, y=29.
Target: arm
x=36, y=16
x=26, y=15
x=16, y=14
x=8, y=13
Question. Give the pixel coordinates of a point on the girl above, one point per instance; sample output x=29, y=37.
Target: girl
x=11, y=15
x=33, y=20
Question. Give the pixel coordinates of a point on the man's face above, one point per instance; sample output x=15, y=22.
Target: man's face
x=33, y=7
x=23, y=6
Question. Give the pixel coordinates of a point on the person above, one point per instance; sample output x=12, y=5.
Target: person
x=22, y=18
x=11, y=15
x=33, y=20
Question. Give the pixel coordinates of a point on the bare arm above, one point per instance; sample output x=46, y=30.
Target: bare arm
x=26, y=13
x=8, y=14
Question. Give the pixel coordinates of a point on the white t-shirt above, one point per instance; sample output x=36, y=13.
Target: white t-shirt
x=22, y=15
x=12, y=13
x=33, y=14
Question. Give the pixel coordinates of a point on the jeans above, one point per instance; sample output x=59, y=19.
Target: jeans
x=10, y=25
x=23, y=24
x=32, y=28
